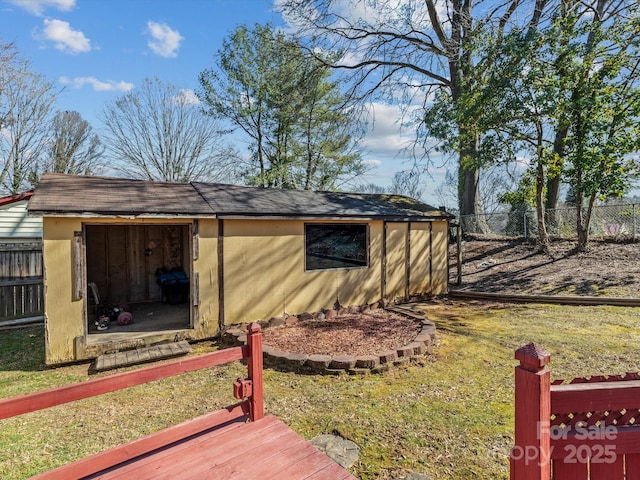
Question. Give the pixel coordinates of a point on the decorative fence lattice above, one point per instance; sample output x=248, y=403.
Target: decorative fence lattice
x=618, y=418
x=611, y=221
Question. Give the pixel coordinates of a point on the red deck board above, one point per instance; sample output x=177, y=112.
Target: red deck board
x=314, y=466
x=265, y=449
x=205, y=449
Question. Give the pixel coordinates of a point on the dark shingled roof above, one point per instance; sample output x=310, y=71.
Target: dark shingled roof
x=70, y=194
x=253, y=201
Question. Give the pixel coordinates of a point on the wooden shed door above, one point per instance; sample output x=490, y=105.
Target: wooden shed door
x=396, y=260
x=408, y=267
x=420, y=258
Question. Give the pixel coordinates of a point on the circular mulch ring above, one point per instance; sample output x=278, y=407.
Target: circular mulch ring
x=355, y=340
x=377, y=330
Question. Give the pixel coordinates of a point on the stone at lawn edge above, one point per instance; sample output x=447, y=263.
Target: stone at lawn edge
x=294, y=359
x=354, y=309
x=388, y=357
x=276, y=322
x=267, y=350
x=367, y=361
x=428, y=330
x=342, y=451
x=359, y=371
x=306, y=316
x=405, y=351
x=418, y=348
x=242, y=338
x=343, y=361
x=275, y=356
x=402, y=360
x=382, y=368
x=289, y=321
x=318, y=361
x=423, y=337
x=329, y=314
x=235, y=331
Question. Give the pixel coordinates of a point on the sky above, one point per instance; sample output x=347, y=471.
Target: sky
x=97, y=50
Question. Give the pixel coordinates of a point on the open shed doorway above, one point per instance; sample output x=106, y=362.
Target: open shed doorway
x=144, y=269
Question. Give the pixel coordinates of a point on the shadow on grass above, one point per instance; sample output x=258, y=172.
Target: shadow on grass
x=22, y=349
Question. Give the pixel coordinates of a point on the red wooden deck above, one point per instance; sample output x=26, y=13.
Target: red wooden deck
x=236, y=442
x=265, y=449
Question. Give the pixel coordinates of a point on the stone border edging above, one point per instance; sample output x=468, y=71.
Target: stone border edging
x=336, y=364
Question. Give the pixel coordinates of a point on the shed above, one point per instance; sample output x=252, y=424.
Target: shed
x=191, y=259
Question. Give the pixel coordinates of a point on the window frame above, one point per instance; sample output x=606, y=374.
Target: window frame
x=366, y=232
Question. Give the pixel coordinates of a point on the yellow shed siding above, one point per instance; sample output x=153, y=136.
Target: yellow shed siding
x=264, y=272
x=206, y=267
x=64, y=316
x=396, y=260
x=439, y=258
x=420, y=258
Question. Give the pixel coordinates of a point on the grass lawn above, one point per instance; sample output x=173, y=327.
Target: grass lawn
x=450, y=417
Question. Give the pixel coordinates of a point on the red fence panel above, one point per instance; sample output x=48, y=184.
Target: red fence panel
x=588, y=429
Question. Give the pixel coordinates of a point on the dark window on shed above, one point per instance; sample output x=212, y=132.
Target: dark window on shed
x=336, y=245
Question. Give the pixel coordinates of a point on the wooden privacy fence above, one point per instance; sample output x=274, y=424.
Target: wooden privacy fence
x=582, y=430
x=21, y=286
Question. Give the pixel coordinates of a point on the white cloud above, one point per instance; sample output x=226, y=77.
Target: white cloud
x=187, y=97
x=97, y=85
x=164, y=40
x=386, y=137
x=372, y=163
x=65, y=38
x=37, y=7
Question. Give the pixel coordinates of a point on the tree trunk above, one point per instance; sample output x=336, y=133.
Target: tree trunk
x=554, y=177
x=584, y=223
x=471, y=213
x=543, y=238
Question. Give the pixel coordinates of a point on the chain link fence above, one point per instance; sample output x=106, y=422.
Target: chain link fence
x=607, y=221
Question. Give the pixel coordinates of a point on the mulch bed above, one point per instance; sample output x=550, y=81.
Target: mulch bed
x=347, y=334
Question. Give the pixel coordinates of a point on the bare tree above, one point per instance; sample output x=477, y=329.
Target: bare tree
x=408, y=49
x=366, y=187
x=74, y=148
x=408, y=183
x=26, y=103
x=159, y=132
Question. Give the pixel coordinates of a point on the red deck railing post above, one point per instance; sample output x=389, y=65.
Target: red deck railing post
x=254, y=367
x=531, y=452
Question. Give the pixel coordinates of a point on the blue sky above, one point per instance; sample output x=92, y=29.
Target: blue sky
x=96, y=50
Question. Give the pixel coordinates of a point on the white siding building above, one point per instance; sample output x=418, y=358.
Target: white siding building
x=15, y=224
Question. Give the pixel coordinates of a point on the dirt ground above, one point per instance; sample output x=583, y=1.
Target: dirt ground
x=605, y=269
